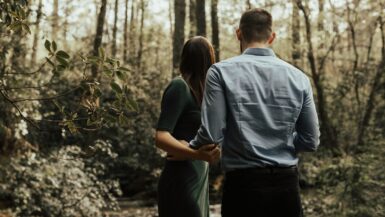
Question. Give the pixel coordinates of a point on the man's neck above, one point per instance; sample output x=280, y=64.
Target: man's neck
x=254, y=45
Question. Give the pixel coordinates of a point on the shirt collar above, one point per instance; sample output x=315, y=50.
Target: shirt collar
x=259, y=52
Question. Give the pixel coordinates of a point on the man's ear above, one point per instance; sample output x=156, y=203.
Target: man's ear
x=239, y=34
x=272, y=38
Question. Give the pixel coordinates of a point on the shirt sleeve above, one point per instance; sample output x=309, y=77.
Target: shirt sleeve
x=173, y=103
x=306, y=137
x=213, y=113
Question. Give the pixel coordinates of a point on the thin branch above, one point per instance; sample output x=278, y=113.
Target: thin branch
x=46, y=98
x=5, y=96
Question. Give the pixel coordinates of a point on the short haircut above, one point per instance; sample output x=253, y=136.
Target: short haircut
x=256, y=25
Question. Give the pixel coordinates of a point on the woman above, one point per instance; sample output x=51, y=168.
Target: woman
x=183, y=185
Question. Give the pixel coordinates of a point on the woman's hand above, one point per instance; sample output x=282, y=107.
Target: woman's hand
x=210, y=153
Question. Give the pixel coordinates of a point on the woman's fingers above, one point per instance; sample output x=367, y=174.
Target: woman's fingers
x=207, y=147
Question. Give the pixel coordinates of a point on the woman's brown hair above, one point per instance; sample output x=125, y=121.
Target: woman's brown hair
x=197, y=57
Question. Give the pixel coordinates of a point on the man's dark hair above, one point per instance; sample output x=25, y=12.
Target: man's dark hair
x=256, y=25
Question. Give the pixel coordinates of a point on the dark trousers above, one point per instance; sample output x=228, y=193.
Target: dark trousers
x=262, y=192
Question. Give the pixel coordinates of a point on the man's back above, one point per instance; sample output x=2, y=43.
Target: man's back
x=266, y=100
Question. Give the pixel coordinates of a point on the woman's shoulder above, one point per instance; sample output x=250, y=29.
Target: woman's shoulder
x=178, y=84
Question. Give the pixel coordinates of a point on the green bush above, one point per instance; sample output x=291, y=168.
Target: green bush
x=69, y=181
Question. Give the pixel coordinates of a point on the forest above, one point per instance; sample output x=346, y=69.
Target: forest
x=81, y=84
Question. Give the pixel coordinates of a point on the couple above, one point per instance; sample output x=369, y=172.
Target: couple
x=260, y=110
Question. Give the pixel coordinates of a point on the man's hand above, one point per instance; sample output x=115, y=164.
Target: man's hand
x=210, y=153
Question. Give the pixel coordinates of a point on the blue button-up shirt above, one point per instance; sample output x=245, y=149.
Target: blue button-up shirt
x=260, y=109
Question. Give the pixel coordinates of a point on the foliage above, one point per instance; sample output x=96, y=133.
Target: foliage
x=69, y=181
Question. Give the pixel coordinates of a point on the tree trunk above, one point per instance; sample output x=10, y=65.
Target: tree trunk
x=371, y=101
x=141, y=33
x=248, y=5
x=215, y=28
x=99, y=36
x=178, y=38
x=295, y=34
x=192, y=18
x=132, y=34
x=36, y=34
x=67, y=13
x=55, y=19
x=328, y=134
x=114, y=30
x=125, y=36
x=201, y=17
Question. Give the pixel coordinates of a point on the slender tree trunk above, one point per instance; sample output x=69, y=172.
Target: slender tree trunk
x=178, y=38
x=55, y=19
x=328, y=135
x=248, y=4
x=99, y=35
x=215, y=28
x=36, y=34
x=295, y=34
x=371, y=101
x=125, y=36
x=201, y=17
x=132, y=34
x=141, y=33
x=65, y=24
x=114, y=30
x=192, y=18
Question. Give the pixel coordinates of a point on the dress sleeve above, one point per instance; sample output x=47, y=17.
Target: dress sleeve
x=173, y=103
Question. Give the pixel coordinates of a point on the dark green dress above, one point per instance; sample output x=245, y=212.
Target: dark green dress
x=183, y=185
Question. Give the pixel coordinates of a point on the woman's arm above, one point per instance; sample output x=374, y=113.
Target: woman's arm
x=165, y=141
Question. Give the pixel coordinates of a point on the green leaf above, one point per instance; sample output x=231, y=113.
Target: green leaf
x=26, y=28
x=63, y=54
x=47, y=45
x=124, y=69
x=120, y=75
x=62, y=61
x=132, y=104
x=116, y=87
x=54, y=46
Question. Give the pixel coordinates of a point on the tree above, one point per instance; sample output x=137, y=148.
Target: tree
x=36, y=33
x=115, y=28
x=141, y=33
x=201, y=17
x=99, y=35
x=132, y=34
x=178, y=37
x=125, y=36
x=192, y=18
x=215, y=28
x=55, y=19
x=296, y=35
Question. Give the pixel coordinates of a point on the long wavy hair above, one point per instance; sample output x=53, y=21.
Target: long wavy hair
x=197, y=57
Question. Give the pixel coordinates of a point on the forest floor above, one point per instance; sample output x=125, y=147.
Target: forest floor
x=136, y=209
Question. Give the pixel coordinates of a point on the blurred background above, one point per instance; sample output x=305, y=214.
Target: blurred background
x=81, y=84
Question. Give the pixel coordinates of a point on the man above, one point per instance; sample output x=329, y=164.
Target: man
x=261, y=110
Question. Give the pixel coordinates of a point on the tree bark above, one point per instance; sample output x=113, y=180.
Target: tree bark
x=192, y=18
x=215, y=28
x=371, y=101
x=178, y=37
x=328, y=134
x=125, y=36
x=141, y=33
x=36, y=34
x=295, y=34
x=99, y=36
x=115, y=29
x=67, y=13
x=201, y=17
x=132, y=34
x=55, y=19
